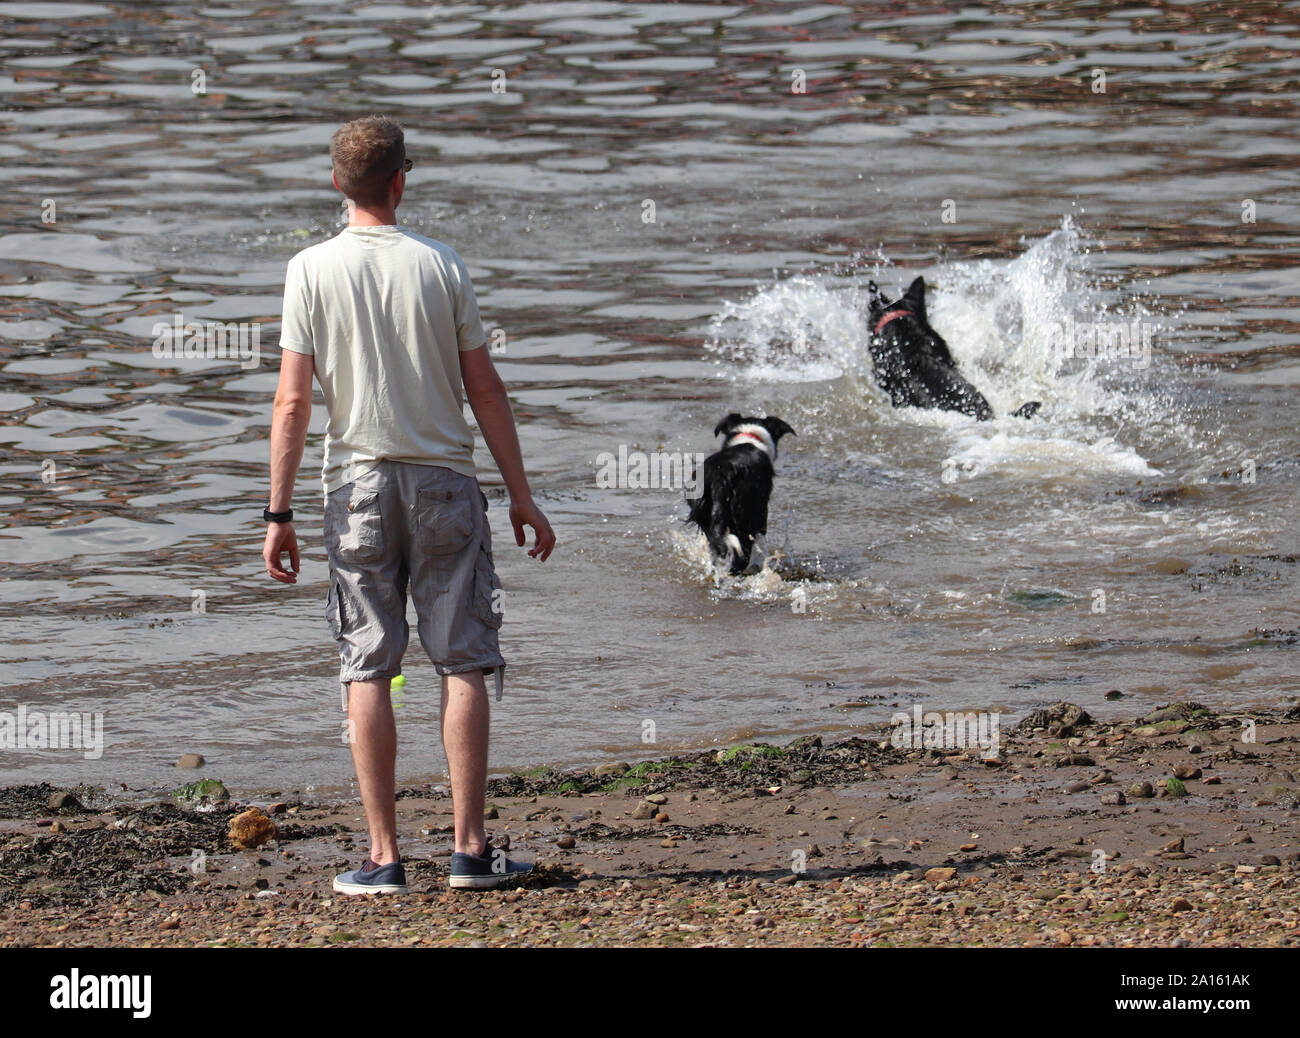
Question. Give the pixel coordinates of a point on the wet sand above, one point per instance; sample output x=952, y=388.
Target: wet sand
x=852, y=843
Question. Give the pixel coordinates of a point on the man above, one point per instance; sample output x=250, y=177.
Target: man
x=388, y=323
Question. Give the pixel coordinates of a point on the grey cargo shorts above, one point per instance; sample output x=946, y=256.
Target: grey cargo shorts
x=419, y=526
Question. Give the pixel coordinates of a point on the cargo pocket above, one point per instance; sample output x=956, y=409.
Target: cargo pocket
x=334, y=611
x=489, y=597
x=362, y=536
x=446, y=521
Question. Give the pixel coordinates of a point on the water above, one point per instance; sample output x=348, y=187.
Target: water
x=916, y=556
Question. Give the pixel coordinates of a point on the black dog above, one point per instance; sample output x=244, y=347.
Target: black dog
x=912, y=363
x=732, y=506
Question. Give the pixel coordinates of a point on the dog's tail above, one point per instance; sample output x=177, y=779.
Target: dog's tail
x=1027, y=410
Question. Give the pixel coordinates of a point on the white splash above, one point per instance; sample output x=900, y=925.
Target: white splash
x=1002, y=321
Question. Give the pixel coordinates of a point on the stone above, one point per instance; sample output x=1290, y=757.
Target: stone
x=805, y=743
x=1058, y=717
x=566, y=843
x=939, y=875
x=605, y=771
x=1172, y=712
x=1141, y=790
x=205, y=791
x=1180, y=904
x=661, y=817
x=191, y=760
x=1114, y=799
x=250, y=829
x=644, y=810
x=1187, y=772
x=657, y=798
x=64, y=802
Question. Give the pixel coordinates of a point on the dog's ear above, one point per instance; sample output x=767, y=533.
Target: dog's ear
x=727, y=424
x=915, y=295
x=875, y=300
x=777, y=428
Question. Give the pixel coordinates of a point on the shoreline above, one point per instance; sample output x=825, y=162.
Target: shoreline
x=855, y=842
x=596, y=755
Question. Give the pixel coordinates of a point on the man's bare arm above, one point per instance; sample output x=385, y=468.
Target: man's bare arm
x=487, y=398
x=289, y=420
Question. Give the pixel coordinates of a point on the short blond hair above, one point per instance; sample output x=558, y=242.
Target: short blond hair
x=365, y=153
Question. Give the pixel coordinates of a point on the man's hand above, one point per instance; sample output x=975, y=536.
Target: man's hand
x=526, y=513
x=289, y=420
x=280, y=538
x=491, y=406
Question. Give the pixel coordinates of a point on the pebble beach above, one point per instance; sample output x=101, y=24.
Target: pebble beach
x=1166, y=830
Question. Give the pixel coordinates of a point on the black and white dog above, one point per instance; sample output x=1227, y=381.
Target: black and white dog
x=912, y=363
x=732, y=506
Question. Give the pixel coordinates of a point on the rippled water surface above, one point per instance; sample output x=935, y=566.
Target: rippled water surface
x=665, y=228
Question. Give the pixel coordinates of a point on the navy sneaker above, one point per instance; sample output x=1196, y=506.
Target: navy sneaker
x=373, y=879
x=483, y=872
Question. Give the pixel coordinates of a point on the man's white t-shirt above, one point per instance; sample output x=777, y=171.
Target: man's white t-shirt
x=385, y=314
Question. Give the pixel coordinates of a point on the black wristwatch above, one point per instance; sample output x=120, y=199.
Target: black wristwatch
x=277, y=517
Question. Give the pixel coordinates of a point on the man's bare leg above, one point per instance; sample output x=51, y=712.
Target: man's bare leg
x=374, y=752
x=464, y=723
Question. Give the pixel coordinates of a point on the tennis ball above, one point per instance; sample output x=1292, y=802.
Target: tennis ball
x=399, y=681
